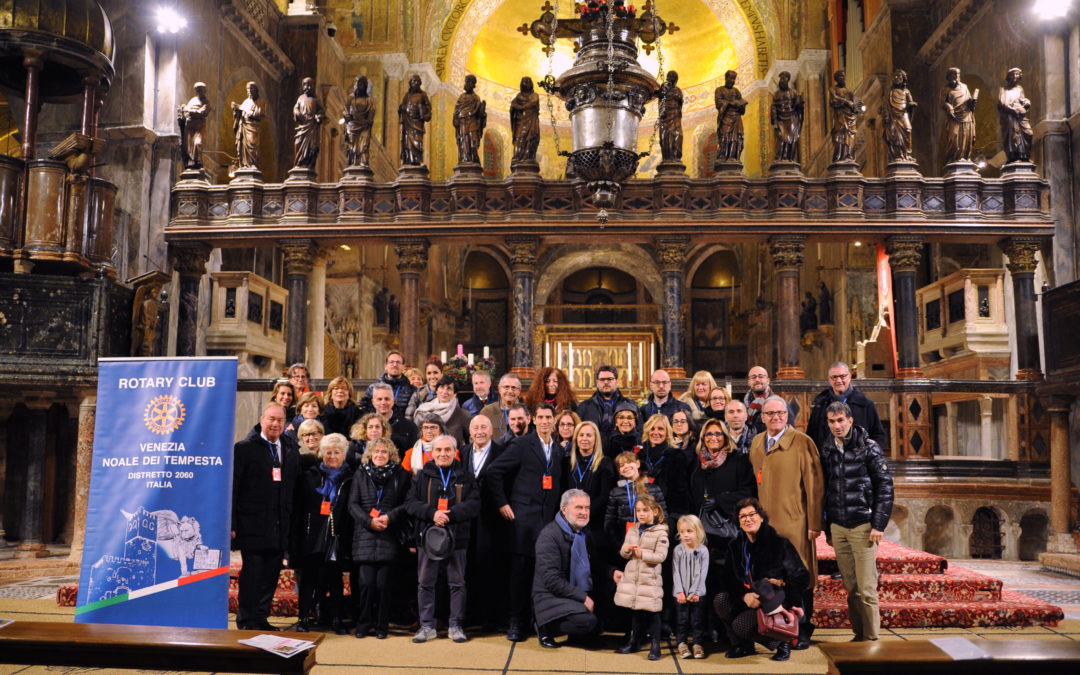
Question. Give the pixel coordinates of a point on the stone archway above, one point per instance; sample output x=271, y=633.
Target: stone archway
x=559, y=262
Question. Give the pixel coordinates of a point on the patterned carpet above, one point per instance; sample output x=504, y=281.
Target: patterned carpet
x=916, y=590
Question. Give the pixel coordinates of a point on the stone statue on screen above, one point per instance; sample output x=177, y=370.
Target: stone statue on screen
x=808, y=320
x=470, y=118
x=896, y=112
x=192, y=119
x=247, y=117
x=730, y=108
x=786, y=118
x=525, y=122
x=959, y=105
x=413, y=113
x=825, y=310
x=671, y=104
x=1013, y=109
x=847, y=108
x=308, y=115
x=359, y=118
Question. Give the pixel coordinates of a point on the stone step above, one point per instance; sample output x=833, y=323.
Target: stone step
x=956, y=584
x=892, y=558
x=1013, y=609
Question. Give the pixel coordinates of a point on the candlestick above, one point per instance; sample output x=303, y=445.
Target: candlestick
x=442, y=356
x=487, y=352
x=471, y=359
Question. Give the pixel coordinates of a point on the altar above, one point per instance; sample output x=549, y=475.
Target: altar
x=580, y=349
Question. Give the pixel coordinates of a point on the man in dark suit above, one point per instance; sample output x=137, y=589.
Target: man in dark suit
x=265, y=469
x=524, y=483
x=487, y=562
x=403, y=431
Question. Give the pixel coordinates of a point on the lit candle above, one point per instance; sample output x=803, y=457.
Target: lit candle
x=487, y=352
x=442, y=356
x=570, y=352
x=629, y=364
x=641, y=356
x=547, y=354
x=460, y=350
x=471, y=362
x=558, y=355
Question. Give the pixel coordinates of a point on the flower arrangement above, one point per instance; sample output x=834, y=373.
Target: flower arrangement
x=461, y=368
x=594, y=9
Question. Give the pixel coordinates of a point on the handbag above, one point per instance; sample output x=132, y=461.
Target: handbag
x=782, y=625
x=719, y=529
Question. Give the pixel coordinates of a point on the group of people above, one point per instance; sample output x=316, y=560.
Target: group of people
x=548, y=515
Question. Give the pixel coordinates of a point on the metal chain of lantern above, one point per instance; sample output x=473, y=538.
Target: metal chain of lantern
x=605, y=90
x=548, y=83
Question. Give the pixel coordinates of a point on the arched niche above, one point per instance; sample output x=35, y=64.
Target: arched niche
x=1034, y=532
x=938, y=537
x=561, y=261
x=986, y=533
x=717, y=343
x=486, y=282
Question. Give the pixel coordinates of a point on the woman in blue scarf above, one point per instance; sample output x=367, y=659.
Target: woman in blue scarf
x=322, y=533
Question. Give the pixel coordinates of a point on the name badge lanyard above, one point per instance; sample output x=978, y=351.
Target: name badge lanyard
x=582, y=471
x=446, y=477
x=546, y=482
x=746, y=565
x=649, y=464
x=631, y=496
x=375, y=511
x=275, y=461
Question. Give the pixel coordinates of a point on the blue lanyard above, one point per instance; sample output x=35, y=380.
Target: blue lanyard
x=446, y=478
x=273, y=453
x=581, y=472
x=649, y=464
x=631, y=496
x=396, y=390
x=746, y=564
x=378, y=497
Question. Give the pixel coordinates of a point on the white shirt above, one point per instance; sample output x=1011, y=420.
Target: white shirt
x=775, y=439
x=546, y=447
x=479, y=456
x=274, y=445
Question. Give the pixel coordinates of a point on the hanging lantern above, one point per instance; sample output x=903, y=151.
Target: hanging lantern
x=605, y=90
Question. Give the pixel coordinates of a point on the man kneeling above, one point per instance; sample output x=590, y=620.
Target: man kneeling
x=563, y=576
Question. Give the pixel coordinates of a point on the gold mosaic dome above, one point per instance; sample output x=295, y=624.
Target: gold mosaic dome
x=75, y=38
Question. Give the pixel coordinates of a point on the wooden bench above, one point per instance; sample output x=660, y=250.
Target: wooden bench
x=921, y=656
x=146, y=647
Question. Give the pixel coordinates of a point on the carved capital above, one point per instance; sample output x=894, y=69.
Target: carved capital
x=671, y=252
x=189, y=259
x=412, y=254
x=299, y=256
x=523, y=252
x=787, y=252
x=905, y=253
x=1021, y=252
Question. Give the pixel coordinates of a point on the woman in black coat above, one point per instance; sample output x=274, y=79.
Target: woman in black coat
x=684, y=437
x=376, y=504
x=664, y=465
x=625, y=435
x=758, y=556
x=340, y=413
x=719, y=479
x=322, y=532
x=586, y=468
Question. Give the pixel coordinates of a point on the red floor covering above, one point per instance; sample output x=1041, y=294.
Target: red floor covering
x=916, y=590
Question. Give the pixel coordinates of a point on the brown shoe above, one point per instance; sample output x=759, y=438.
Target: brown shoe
x=699, y=652
x=684, y=651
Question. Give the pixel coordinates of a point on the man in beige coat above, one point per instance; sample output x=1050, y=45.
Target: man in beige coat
x=791, y=488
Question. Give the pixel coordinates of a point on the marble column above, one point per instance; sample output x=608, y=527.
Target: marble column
x=523, y=251
x=189, y=261
x=83, y=456
x=36, y=423
x=316, y=316
x=412, y=257
x=298, y=254
x=1061, y=526
x=904, y=255
x=787, y=257
x=33, y=62
x=1021, y=265
x=672, y=254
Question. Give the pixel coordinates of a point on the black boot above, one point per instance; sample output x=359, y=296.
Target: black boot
x=654, y=651
x=783, y=652
x=633, y=643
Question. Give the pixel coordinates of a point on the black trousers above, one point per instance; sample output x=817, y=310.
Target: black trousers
x=371, y=595
x=521, y=579
x=806, y=628
x=579, y=624
x=257, y=583
x=485, y=578
x=690, y=619
x=318, y=577
x=642, y=622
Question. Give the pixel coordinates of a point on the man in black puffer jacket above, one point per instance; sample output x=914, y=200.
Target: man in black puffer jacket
x=858, y=503
x=840, y=389
x=394, y=376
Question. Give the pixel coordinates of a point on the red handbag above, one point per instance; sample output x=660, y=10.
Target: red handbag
x=783, y=626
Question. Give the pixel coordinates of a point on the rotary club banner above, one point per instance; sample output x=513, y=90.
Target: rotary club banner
x=157, y=520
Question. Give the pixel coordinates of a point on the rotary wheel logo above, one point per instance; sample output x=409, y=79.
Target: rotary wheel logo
x=163, y=414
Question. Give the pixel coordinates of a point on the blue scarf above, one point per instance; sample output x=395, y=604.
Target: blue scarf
x=331, y=481
x=580, y=572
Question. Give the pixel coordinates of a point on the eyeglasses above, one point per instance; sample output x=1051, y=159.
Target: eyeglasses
x=507, y=387
x=839, y=377
x=748, y=516
x=713, y=433
x=566, y=424
x=661, y=381
x=757, y=377
x=310, y=434
x=775, y=413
